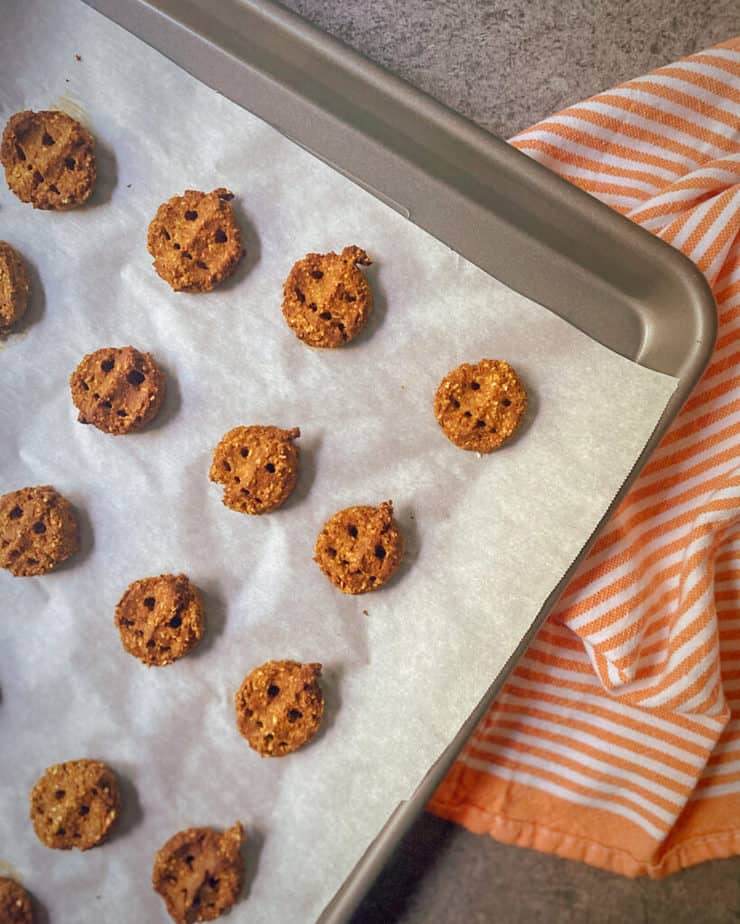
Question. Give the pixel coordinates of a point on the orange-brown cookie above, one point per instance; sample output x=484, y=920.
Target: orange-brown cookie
x=49, y=159
x=326, y=299
x=279, y=706
x=15, y=287
x=160, y=619
x=199, y=873
x=117, y=389
x=15, y=905
x=359, y=548
x=195, y=240
x=258, y=467
x=74, y=804
x=479, y=405
x=38, y=530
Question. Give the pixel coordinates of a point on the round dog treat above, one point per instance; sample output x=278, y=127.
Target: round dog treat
x=195, y=240
x=359, y=548
x=49, y=159
x=160, y=618
x=479, y=405
x=279, y=706
x=15, y=287
x=326, y=299
x=199, y=873
x=117, y=389
x=15, y=905
x=258, y=467
x=38, y=530
x=74, y=804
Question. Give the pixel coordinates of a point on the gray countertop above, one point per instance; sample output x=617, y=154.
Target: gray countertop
x=506, y=64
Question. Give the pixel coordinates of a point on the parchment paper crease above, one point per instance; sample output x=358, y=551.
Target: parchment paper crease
x=487, y=537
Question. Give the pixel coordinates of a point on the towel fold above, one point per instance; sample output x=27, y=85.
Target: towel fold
x=616, y=740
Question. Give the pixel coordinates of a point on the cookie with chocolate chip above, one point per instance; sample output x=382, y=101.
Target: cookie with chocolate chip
x=49, y=159
x=38, y=530
x=15, y=905
x=479, y=405
x=326, y=298
x=199, y=873
x=279, y=706
x=360, y=548
x=117, y=389
x=15, y=287
x=160, y=619
x=74, y=804
x=195, y=240
x=258, y=467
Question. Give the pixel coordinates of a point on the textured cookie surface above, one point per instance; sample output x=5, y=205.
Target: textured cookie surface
x=160, y=619
x=479, y=405
x=279, y=706
x=258, y=467
x=74, y=804
x=359, y=548
x=117, y=389
x=15, y=905
x=199, y=873
x=14, y=286
x=38, y=530
x=326, y=298
x=49, y=159
x=195, y=240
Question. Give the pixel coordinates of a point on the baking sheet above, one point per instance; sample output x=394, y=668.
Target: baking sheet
x=487, y=537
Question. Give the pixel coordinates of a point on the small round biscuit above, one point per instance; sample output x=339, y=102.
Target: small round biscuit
x=326, y=299
x=49, y=159
x=478, y=406
x=15, y=905
x=279, y=706
x=195, y=240
x=199, y=873
x=359, y=548
x=258, y=467
x=74, y=804
x=15, y=287
x=160, y=619
x=117, y=389
x=38, y=530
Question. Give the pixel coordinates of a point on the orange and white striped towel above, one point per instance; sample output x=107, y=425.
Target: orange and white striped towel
x=617, y=738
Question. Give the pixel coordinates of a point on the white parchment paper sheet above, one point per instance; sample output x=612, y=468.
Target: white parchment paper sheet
x=487, y=537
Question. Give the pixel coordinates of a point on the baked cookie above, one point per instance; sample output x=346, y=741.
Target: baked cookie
x=199, y=873
x=479, y=405
x=195, y=240
x=279, y=706
x=15, y=905
x=326, y=299
x=15, y=287
x=359, y=548
x=160, y=618
x=74, y=804
x=38, y=530
x=258, y=467
x=117, y=389
x=49, y=159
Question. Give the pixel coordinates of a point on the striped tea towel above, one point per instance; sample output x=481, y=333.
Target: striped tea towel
x=617, y=738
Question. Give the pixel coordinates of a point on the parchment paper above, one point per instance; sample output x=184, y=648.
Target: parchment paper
x=487, y=537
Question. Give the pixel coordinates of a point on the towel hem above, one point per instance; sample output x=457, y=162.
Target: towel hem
x=571, y=847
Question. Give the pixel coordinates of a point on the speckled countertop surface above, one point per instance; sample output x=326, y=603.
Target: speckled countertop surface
x=506, y=64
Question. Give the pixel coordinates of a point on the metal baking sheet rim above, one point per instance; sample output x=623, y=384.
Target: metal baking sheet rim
x=188, y=32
